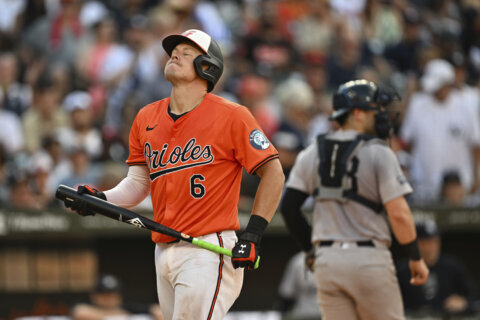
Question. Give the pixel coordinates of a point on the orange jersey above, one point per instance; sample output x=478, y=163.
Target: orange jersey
x=196, y=162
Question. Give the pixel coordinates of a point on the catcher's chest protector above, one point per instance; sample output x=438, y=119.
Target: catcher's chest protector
x=338, y=168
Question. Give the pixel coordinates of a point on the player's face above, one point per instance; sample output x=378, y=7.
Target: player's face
x=430, y=249
x=107, y=300
x=179, y=67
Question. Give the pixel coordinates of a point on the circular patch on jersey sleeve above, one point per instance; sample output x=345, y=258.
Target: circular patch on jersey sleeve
x=258, y=140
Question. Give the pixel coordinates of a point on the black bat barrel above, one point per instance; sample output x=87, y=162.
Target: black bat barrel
x=97, y=205
x=112, y=211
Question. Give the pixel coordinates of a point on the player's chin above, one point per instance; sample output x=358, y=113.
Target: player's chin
x=170, y=74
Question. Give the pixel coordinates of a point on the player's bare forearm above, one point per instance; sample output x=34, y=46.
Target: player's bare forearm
x=269, y=190
x=403, y=228
x=245, y=253
x=401, y=220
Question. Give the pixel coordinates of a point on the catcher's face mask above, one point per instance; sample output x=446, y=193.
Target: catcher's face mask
x=365, y=95
x=384, y=97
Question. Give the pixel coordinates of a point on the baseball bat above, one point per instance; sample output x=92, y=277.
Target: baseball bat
x=112, y=211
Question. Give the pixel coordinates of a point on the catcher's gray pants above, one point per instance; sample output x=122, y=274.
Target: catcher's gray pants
x=356, y=282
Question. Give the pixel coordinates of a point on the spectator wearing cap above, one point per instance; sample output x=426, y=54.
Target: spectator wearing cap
x=453, y=192
x=449, y=288
x=81, y=133
x=106, y=300
x=442, y=133
x=91, y=13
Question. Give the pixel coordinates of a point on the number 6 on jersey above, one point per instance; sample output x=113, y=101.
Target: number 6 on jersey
x=197, y=190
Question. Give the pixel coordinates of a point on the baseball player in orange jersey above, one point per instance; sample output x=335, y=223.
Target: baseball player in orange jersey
x=188, y=151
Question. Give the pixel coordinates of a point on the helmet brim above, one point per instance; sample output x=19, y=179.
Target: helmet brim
x=338, y=113
x=170, y=42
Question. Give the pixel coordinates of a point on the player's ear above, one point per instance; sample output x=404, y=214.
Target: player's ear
x=358, y=115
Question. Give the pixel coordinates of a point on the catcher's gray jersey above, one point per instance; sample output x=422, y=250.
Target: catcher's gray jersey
x=379, y=179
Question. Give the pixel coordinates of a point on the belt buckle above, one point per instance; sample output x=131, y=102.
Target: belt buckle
x=345, y=245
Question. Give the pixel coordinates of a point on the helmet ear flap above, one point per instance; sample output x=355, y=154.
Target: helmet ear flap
x=213, y=71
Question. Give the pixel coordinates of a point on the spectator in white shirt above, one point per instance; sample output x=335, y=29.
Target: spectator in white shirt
x=442, y=132
x=81, y=133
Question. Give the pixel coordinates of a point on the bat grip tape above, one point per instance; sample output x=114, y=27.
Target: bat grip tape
x=212, y=247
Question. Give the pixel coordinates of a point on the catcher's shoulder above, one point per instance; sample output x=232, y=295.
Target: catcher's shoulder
x=377, y=147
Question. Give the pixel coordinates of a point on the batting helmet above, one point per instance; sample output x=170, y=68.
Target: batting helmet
x=361, y=94
x=212, y=58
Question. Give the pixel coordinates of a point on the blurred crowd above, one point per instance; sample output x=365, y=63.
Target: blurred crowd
x=74, y=73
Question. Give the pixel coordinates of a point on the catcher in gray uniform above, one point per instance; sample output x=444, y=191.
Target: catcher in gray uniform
x=359, y=192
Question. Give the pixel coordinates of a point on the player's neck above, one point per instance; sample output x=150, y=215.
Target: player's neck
x=183, y=99
x=353, y=126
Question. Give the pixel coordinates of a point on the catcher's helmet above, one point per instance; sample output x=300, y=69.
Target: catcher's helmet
x=361, y=94
x=212, y=58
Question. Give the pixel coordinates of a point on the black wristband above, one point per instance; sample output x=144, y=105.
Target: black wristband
x=256, y=226
x=412, y=250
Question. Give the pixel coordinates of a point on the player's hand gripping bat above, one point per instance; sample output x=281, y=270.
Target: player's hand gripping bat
x=112, y=211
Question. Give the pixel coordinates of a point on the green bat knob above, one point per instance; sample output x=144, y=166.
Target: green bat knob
x=257, y=263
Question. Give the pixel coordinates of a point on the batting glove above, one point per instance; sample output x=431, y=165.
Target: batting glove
x=245, y=253
x=80, y=206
